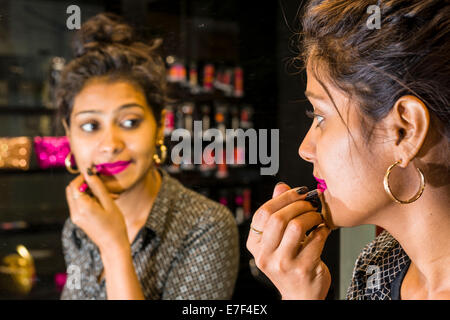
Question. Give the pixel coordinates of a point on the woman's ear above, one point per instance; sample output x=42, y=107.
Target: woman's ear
x=408, y=124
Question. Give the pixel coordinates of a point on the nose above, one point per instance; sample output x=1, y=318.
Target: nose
x=111, y=142
x=307, y=148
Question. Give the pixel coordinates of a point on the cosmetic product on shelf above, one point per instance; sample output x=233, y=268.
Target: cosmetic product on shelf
x=239, y=150
x=188, y=116
x=169, y=121
x=238, y=82
x=247, y=117
x=208, y=77
x=193, y=79
x=222, y=168
x=220, y=118
x=223, y=81
x=223, y=197
x=177, y=71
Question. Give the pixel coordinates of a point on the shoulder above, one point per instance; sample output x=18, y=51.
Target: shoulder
x=376, y=267
x=194, y=220
x=68, y=231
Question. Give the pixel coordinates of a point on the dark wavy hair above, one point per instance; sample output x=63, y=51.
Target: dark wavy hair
x=107, y=47
x=408, y=55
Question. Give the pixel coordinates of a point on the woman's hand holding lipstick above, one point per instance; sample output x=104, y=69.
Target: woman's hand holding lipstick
x=284, y=251
x=92, y=208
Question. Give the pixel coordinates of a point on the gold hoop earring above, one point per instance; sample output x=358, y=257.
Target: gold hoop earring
x=159, y=159
x=388, y=190
x=68, y=163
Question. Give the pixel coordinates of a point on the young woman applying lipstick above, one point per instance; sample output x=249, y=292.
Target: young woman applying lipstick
x=379, y=143
x=134, y=232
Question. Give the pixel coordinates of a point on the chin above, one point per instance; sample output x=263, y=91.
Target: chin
x=114, y=185
x=336, y=215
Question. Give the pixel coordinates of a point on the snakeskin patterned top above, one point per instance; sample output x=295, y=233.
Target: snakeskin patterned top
x=379, y=270
x=188, y=249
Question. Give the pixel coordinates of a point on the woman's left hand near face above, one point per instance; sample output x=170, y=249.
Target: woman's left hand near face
x=97, y=214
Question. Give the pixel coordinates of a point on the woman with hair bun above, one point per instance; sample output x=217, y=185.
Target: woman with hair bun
x=379, y=143
x=134, y=232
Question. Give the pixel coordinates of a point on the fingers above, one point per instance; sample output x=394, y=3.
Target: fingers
x=279, y=189
x=76, y=199
x=73, y=190
x=295, y=233
x=275, y=226
x=70, y=199
x=267, y=209
x=99, y=190
x=313, y=246
x=277, y=223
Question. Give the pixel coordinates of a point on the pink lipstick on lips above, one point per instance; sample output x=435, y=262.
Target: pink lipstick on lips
x=321, y=185
x=111, y=169
x=107, y=169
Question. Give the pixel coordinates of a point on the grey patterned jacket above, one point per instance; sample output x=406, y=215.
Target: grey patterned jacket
x=378, y=270
x=187, y=249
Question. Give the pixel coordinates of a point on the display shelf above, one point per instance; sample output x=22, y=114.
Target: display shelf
x=34, y=171
x=15, y=227
x=206, y=97
x=23, y=110
x=237, y=177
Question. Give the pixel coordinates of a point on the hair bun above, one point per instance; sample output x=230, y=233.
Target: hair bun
x=100, y=31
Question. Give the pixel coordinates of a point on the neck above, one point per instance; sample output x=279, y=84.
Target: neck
x=422, y=229
x=136, y=202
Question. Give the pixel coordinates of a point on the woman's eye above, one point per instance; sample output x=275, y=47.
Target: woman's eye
x=130, y=123
x=89, y=127
x=313, y=115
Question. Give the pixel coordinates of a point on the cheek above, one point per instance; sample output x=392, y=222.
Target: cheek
x=82, y=151
x=333, y=157
x=353, y=178
x=141, y=145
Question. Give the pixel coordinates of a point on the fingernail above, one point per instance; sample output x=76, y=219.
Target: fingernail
x=302, y=190
x=83, y=187
x=281, y=182
x=313, y=198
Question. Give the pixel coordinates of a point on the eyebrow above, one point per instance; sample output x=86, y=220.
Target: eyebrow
x=125, y=106
x=312, y=95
